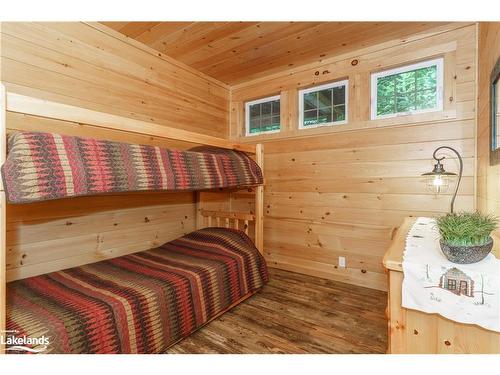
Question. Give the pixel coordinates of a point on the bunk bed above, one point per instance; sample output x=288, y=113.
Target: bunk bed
x=142, y=302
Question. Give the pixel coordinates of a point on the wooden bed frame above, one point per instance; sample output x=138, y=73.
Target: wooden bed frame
x=46, y=109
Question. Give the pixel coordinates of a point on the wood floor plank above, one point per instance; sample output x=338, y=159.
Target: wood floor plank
x=297, y=314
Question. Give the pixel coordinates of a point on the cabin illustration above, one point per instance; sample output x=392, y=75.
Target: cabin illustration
x=456, y=281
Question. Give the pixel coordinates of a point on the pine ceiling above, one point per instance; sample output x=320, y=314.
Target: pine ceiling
x=234, y=52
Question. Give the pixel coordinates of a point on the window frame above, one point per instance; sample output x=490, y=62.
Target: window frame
x=439, y=62
x=344, y=82
x=247, y=115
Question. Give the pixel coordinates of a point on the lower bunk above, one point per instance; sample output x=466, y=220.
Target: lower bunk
x=138, y=303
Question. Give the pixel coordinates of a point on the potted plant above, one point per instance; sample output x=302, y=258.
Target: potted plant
x=465, y=237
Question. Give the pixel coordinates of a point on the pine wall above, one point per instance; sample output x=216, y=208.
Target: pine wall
x=91, y=66
x=330, y=192
x=342, y=190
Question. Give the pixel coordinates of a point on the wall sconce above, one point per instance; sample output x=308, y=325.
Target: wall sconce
x=438, y=180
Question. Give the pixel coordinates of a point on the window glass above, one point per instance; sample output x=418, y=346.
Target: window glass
x=409, y=89
x=263, y=116
x=323, y=105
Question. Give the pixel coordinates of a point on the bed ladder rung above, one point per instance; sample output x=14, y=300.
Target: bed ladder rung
x=236, y=220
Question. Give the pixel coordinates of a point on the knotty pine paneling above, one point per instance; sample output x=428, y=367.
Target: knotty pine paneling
x=94, y=67
x=236, y=52
x=488, y=177
x=91, y=66
x=342, y=190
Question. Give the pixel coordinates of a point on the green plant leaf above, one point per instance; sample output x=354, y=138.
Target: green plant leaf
x=466, y=229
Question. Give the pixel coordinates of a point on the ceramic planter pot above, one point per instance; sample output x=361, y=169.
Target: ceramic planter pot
x=466, y=254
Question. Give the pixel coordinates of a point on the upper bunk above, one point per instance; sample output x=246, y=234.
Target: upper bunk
x=45, y=166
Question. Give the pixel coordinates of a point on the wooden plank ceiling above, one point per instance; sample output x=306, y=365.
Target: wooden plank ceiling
x=234, y=52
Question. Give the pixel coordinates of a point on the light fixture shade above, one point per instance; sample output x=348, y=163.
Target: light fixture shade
x=438, y=180
x=437, y=184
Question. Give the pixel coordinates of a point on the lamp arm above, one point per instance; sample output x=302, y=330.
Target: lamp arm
x=459, y=175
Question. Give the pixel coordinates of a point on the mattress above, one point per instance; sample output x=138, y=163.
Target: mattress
x=46, y=166
x=138, y=303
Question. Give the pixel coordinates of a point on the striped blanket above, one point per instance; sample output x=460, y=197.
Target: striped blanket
x=139, y=303
x=43, y=166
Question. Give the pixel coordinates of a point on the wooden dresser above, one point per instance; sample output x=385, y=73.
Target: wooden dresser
x=413, y=331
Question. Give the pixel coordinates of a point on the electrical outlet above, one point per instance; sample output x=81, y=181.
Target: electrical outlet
x=342, y=262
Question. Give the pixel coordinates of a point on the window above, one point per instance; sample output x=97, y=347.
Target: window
x=463, y=286
x=452, y=284
x=410, y=89
x=262, y=116
x=323, y=105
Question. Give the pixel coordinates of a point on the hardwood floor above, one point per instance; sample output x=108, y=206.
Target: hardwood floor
x=297, y=314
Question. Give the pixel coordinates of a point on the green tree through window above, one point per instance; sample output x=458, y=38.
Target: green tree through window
x=325, y=104
x=411, y=90
x=263, y=116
